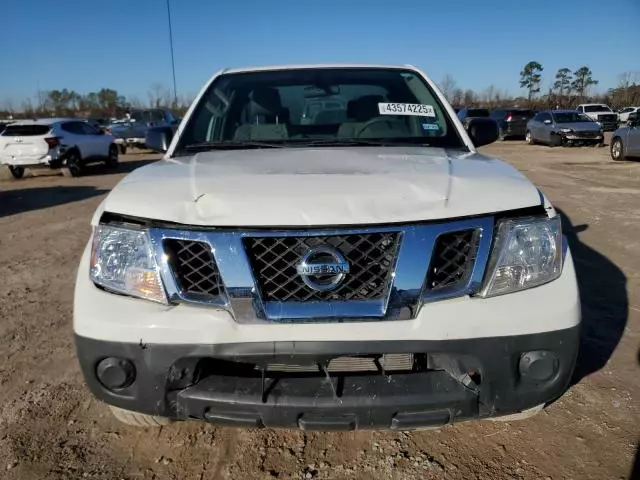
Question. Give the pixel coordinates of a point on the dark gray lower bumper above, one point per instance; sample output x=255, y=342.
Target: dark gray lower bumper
x=205, y=381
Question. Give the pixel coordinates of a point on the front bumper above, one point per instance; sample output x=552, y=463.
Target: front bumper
x=459, y=380
x=609, y=126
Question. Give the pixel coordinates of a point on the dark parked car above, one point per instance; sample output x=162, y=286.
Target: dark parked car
x=512, y=121
x=134, y=132
x=465, y=114
x=563, y=127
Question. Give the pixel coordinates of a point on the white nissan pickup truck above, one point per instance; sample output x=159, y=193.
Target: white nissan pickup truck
x=367, y=270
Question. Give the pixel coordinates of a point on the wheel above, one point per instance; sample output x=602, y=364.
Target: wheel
x=123, y=148
x=501, y=136
x=112, y=159
x=529, y=138
x=136, y=419
x=523, y=415
x=74, y=164
x=17, y=172
x=617, y=149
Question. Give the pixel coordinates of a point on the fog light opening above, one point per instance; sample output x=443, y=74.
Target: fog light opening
x=538, y=366
x=115, y=373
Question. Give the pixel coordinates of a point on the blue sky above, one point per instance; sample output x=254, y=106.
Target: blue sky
x=123, y=44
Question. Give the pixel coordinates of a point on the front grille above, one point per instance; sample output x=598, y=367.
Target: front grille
x=452, y=260
x=371, y=258
x=608, y=118
x=194, y=268
x=587, y=134
x=389, y=362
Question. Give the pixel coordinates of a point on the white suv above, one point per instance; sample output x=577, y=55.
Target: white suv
x=55, y=143
x=365, y=270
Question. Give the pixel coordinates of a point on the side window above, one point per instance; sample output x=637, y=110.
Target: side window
x=88, y=129
x=73, y=127
x=157, y=116
x=580, y=109
x=546, y=116
x=538, y=117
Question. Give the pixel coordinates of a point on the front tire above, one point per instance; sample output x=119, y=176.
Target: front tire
x=528, y=138
x=617, y=149
x=123, y=149
x=136, y=419
x=16, y=172
x=112, y=159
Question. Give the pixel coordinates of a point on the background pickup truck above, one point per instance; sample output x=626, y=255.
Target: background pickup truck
x=600, y=113
x=134, y=132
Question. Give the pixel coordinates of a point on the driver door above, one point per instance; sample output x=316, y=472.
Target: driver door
x=546, y=123
x=633, y=140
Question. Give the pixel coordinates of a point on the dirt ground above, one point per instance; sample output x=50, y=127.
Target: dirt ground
x=52, y=428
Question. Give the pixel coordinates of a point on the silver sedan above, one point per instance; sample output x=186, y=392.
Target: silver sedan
x=563, y=127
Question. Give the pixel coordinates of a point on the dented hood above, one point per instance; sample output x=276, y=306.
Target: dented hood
x=321, y=186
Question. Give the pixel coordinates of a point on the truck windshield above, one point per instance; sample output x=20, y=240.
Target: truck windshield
x=596, y=108
x=319, y=106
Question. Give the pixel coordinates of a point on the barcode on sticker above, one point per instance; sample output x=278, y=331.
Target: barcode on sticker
x=415, y=109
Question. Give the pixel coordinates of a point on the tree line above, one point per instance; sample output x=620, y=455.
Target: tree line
x=106, y=102
x=567, y=90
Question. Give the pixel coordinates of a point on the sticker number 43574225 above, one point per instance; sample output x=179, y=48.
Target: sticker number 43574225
x=416, y=109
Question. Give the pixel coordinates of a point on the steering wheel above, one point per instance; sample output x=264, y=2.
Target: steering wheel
x=375, y=120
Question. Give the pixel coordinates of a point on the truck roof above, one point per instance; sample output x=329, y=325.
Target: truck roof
x=316, y=65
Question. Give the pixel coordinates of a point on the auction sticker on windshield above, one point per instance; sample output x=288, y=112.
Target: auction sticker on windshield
x=415, y=109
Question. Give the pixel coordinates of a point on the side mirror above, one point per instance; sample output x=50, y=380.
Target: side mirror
x=633, y=119
x=158, y=139
x=482, y=131
x=547, y=122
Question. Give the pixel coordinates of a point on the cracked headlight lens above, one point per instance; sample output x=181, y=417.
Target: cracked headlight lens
x=526, y=253
x=123, y=261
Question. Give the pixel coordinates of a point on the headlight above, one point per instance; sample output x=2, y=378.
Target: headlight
x=566, y=130
x=526, y=253
x=123, y=261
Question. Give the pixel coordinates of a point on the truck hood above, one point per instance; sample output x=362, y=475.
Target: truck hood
x=321, y=186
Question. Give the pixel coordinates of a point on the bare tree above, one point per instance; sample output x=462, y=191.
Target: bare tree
x=155, y=94
x=448, y=85
x=27, y=108
x=135, y=102
x=8, y=106
x=469, y=97
x=487, y=96
x=458, y=97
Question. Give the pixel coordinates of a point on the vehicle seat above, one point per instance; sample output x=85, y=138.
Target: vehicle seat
x=268, y=118
x=361, y=110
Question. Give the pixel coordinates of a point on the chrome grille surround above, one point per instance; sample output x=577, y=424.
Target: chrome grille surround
x=404, y=294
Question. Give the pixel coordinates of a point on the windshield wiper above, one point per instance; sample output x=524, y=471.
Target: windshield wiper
x=355, y=142
x=230, y=145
